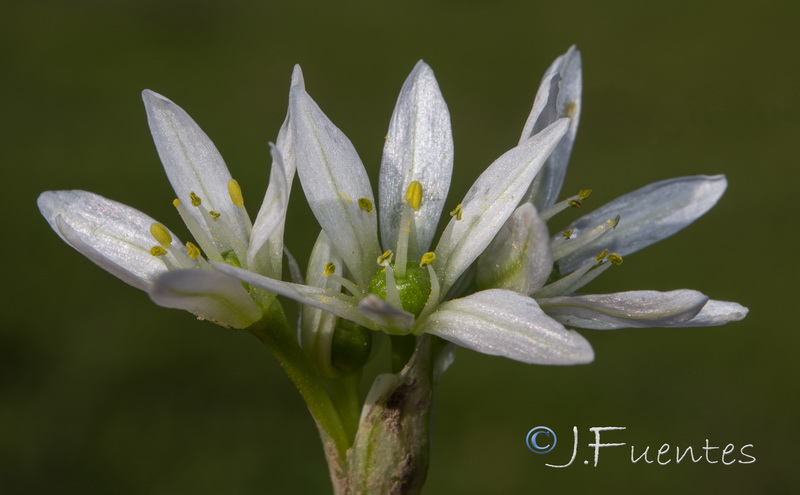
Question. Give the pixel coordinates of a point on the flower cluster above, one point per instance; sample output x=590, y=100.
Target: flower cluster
x=496, y=281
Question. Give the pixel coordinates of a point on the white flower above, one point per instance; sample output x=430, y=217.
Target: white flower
x=521, y=256
x=348, y=268
x=146, y=255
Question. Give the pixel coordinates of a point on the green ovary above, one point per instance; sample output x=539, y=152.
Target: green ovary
x=414, y=288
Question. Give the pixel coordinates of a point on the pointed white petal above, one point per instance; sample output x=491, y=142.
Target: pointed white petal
x=334, y=302
x=316, y=325
x=260, y=259
x=519, y=257
x=191, y=161
x=490, y=201
x=546, y=187
x=716, y=313
x=111, y=234
x=390, y=319
x=334, y=180
x=647, y=216
x=634, y=309
x=506, y=323
x=285, y=145
x=419, y=147
x=209, y=294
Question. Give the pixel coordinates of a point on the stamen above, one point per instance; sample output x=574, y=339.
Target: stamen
x=567, y=245
x=235, y=193
x=456, y=212
x=427, y=259
x=573, y=201
x=158, y=251
x=580, y=277
x=385, y=258
x=199, y=233
x=567, y=233
x=365, y=204
x=163, y=254
x=195, y=199
x=161, y=234
x=224, y=239
x=171, y=256
x=192, y=250
x=330, y=269
x=414, y=195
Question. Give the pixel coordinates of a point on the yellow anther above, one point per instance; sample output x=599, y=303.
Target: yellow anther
x=414, y=195
x=427, y=259
x=567, y=233
x=158, y=251
x=615, y=258
x=569, y=109
x=365, y=204
x=192, y=250
x=600, y=257
x=214, y=214
x=330, y=269
x=385, y=258
x=616, y=222
x=161, y=234
x=176, y=202
x=235, y=192
x=584, y=193
x=456, y=212
x=195, y=199
x=575, y=203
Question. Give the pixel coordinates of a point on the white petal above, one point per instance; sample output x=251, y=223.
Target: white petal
x=634, y=309
x=334, y=180
x=285, y=145
x=490, y=201
x=191, y=161
x=316, y=325
x=419, y=147
x=334, y=302
x=506, y=323
x=647, y=215
x=272, y=214
x=716, y=313
x=519, y=258
x=111, y=234
x=546, y=187
x=390, y=319
x=209, y=294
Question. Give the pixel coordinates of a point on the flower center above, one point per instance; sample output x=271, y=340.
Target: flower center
x=413, y=288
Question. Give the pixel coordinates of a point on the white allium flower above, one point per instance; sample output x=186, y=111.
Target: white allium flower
x=148, y=256
x=397, y=285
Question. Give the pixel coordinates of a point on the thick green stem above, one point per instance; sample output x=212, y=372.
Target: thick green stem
x=274, y=332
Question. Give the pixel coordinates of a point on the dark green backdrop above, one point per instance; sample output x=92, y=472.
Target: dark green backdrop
x=103, y=392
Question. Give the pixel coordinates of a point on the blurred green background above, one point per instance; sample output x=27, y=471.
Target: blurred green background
x=103, y=392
